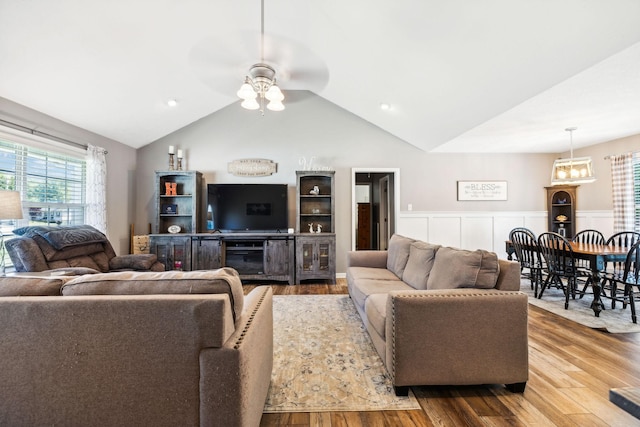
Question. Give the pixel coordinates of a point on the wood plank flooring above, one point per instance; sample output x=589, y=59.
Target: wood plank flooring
x=571, y=369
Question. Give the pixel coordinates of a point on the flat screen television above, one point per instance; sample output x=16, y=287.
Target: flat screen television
x=247, y=207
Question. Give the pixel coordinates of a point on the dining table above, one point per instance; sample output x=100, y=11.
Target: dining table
x=597, y=255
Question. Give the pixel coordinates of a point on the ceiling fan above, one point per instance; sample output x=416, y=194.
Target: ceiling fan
x=223, y=63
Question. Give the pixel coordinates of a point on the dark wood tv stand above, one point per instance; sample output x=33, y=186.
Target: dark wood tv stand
x=256, y=256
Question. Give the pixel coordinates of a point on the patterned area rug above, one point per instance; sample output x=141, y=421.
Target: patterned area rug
x=616, y=320
x=324, y=359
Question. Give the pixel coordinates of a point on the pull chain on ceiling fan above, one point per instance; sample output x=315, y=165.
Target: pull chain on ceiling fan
x=260, y=82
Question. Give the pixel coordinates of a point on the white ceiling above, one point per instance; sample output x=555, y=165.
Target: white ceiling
x=460, y=75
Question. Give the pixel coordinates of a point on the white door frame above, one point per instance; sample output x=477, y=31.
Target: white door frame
x=385, y=213
x=354, y=207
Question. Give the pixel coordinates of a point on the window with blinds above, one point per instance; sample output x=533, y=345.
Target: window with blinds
x=52, y=185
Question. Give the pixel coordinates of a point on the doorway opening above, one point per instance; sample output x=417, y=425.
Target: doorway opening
x=375, y=200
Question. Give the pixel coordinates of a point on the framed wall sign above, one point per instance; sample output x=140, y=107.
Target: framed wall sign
x=482, y=190
x=252, y=167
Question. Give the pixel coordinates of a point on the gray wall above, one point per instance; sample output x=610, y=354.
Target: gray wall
x=313, y=127
x=121, y=165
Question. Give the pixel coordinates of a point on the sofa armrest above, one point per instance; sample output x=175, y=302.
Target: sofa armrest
x=376, y=259
x=509, y=277
x=26, y=255
x=235, y=379
x=457, y=337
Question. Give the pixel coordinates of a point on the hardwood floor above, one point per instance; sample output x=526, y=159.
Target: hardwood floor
x=571, y=369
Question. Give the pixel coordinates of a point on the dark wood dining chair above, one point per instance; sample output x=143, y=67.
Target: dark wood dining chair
x=589, y=237
x=622, y=287
x=613, y=271
x=525, y=246
x=559, y=264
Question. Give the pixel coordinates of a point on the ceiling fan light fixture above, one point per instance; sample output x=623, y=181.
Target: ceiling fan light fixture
x=274, y=93
x=250, y=104
x=260, y=82
x=246, y=91
x=275, y=106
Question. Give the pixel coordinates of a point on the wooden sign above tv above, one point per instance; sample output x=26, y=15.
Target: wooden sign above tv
x=252, y=167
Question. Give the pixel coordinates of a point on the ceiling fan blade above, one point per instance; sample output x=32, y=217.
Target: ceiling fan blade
x=221, y=64
x=310, y=79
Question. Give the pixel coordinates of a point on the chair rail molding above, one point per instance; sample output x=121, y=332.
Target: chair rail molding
x=487, y=229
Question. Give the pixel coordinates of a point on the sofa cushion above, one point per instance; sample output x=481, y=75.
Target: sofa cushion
x=376, y=309
x=98, y=261
x=359, y=273
x=133, y=262
x=361, y=290
x=13, y=286
x=460, y=268
x=398, y=253
x=70, y=271
x=221, y=281
x=419, y=264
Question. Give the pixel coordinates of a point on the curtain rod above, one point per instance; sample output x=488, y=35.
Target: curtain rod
x=43, y=134
x=611, y=155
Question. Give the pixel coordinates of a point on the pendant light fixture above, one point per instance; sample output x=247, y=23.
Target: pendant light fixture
x=260, y=82
x=577, y=170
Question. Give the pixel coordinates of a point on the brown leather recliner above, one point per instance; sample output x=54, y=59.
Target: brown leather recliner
x=77, y=249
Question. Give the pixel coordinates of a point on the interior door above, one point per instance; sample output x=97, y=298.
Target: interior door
x=383, y=217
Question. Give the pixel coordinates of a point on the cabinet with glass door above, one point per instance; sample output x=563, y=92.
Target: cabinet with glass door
x=316, y=257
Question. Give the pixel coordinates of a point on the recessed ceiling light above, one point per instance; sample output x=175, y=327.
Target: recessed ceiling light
x=172, y=103
x=385, y=106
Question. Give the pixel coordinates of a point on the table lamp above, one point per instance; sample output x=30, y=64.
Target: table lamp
x=10, y=208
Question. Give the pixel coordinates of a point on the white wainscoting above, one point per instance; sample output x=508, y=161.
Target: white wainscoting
x=487, y=230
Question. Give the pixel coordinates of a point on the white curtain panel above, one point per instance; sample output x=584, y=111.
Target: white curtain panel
x=622, y=182
x=96, y=212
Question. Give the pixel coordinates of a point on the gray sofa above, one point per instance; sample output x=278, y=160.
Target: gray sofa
x=134, y=348
x=442, y=316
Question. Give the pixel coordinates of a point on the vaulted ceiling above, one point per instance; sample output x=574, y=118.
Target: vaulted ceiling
x=459, y=75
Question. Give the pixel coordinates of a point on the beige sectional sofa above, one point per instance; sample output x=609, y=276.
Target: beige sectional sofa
x=134, y=348
x=442, y=316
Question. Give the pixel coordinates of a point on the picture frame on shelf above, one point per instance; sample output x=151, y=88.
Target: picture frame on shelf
x=169, y=209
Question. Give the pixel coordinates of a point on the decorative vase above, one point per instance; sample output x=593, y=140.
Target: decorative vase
x=562, y=231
